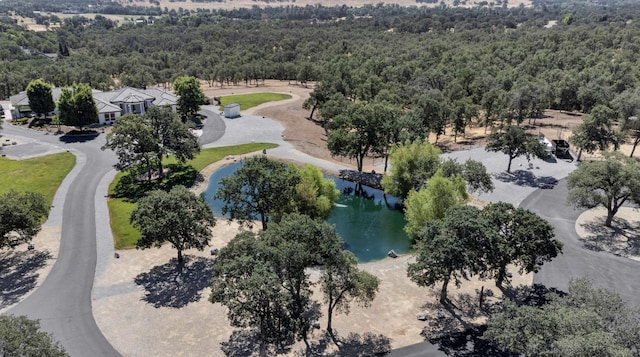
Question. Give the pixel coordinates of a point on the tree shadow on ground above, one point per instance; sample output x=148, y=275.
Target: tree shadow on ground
x=172, y=285
x=246, y=343
x=19, y=273
x=526, y=178
x=134, y=184
x=469, y=343
x=536, y=295
x=77, y=136
x=458, y=325
x=622, y=238
x=241, y=343
x=353, y=345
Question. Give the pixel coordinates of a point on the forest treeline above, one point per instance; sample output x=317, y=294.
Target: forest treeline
x=588, y=57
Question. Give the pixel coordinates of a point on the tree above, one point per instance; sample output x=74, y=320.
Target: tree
x=585, y=322
x=343, y=283
x=22, y=337
x=608, y=183
x=413, y=164
x=148, y=139
x=261, y=188
x=21, y=216
x=523, y=239
x=171, y=136
x=450, y=249
x=513, y=142
x=179, y=217
x=40, y=97
x=251, y=290
x=314, y=195
x=190, y=96
x=631, y=127
x=431, y=202
x=595, y=132
x=264, y=283
x=292, y=245
x=473, y=172
x=355, y=132
x=77, y=107
x=133, y=142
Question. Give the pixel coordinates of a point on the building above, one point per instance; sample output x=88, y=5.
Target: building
x=232, y=110
x=111, y=105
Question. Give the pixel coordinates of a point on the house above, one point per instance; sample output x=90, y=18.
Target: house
x=232, y=110
x=111, y=104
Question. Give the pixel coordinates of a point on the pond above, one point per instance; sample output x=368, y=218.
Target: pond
x=369, y=225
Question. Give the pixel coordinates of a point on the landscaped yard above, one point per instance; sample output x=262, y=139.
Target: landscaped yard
x=121, y=205
x=43, y=174
x=250, y=100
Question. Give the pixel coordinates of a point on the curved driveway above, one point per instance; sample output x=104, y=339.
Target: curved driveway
x=604, y=269
x=63, y=302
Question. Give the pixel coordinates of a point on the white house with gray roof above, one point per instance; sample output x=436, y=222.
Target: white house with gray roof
x=111, y=105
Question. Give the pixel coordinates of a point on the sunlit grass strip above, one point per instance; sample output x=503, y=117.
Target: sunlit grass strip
x=250, y=100
x=126, y=236
x=42, y=174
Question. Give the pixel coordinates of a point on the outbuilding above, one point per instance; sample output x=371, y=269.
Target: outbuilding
x=232, y=110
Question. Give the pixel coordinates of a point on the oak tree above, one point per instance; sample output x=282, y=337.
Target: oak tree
x=179, y=217
x=609, y=183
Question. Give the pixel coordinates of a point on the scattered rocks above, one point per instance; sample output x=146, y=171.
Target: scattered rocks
x=371, y=179
x=422, y=316
x=392, y=254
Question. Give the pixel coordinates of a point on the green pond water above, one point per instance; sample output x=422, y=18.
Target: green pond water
x=369, y=225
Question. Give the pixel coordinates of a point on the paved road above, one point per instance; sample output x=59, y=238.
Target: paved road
x=604, y=269
x=63, y=302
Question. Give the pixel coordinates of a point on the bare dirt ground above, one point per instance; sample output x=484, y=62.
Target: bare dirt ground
x=622, y=238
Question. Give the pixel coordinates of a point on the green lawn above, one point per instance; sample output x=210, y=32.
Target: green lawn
x=126, y=236
x=42, y=174
x=247, y=101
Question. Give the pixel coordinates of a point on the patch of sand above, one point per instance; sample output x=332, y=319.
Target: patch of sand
x=28, y=268
x=622, y=238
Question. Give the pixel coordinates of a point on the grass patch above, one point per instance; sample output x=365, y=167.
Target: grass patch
x=42, y=174
x=124, y=191
x=250, y=100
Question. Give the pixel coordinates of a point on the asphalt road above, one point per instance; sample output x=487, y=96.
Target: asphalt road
x=604, y=269
x=63, y=302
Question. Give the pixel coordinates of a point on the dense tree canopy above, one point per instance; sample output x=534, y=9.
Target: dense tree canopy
x=264, y=282
x=261, y=189
x=40, y=97
x=179, y=217
x=190, y=96
x=143, y=141
x=431, y=202
x=21, y=216
x=77, y=106
x=522, y=238
x=588, y=321
x=22, y=337
x=415, y=162
x=450, y=249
